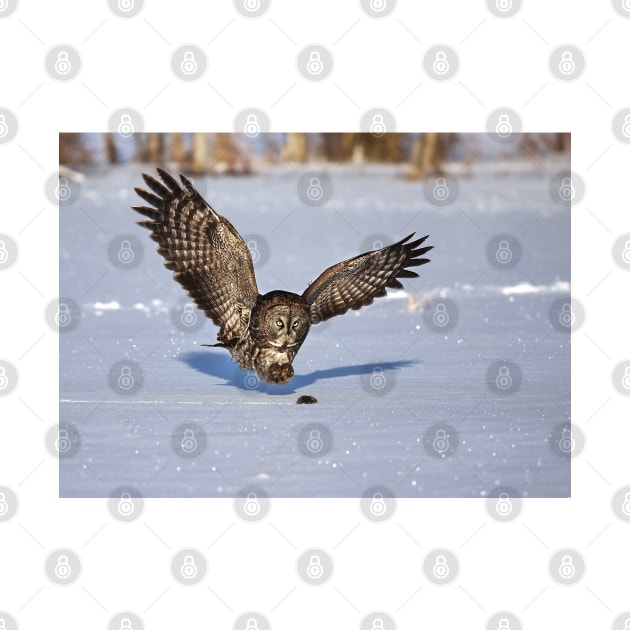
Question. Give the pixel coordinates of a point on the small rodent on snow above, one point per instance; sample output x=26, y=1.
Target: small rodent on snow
x=306, y=400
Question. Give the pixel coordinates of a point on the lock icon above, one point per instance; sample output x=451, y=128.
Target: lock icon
x=625, y=506
x=626, y=6
x=125, y=5
x=4, y=381
x=567, y=64
x=625, y=255
x=189, y=568
x=567, y=568
x=625, y=128
x=504, y=379
x=125, y=378
x=504, y=505
x=315, y=442
x=4, y=128
x=567, y=318
x=253, y=250
x=440, y=568
x=315, y=191
x=125, y=253
x=63, y=191
x=377, y=624
x=504, y=253
x=378, y=5
x=252, y=126
x=4, y=254
x=125, y=624
x=189, y=317
x=189, y=63
x=315, y=570
x=125, y=504
x=252, y=505
x=63, y=570
x=504, y=126
x=566, y=191
x=440, y=191
x=378, y=507
x=379, y=245
x=377, y=128
x=4, y=506
x=314, y=64
x=440, y=443
x=504, y=5
x=63, y=442
x=441, y=317
x=440, y=63
x=252, y=624
x=566, y=443
x=626, y=624
x=503, y=624
x=63, y=316
x=378, y=380
x=125, y=126
x=625, y=381
x=62, y=65
x=189, y=441
x=252, y=381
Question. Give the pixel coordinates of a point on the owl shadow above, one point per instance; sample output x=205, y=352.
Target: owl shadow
x=221, y=366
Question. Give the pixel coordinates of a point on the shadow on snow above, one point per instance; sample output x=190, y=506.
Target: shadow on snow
x=221, y=366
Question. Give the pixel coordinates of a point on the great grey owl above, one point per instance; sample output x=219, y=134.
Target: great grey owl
x=212, y=262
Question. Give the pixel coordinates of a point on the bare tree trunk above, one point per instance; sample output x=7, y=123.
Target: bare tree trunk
x=177, y=149
x=72, y=150
x=141, y=149
x=295, y=149
x=110, y=149
x=155, y=145
x=562, y=142
x=427, y=156
x=225, y=153
x=199, y=153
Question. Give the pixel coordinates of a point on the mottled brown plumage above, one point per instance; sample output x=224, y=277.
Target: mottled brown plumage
x=212, y=262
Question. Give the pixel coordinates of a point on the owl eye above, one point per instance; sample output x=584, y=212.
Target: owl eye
x=280, y=324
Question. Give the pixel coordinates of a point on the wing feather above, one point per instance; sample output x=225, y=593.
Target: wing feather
x=203, y=249
x=354, y=283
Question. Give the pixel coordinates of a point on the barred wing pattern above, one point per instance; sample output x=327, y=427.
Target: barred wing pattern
x=209, y=257
x=354, y=283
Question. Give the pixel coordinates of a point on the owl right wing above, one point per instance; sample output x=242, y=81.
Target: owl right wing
x=209, y=257
x=354, y=283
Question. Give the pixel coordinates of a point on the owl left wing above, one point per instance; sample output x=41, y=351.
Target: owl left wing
x=354, y=283
x=208, y=256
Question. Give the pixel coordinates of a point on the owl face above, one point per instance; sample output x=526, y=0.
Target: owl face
x=280, y=319
x=285, y=326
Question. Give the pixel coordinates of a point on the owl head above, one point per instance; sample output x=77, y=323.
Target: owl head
x=280, y=319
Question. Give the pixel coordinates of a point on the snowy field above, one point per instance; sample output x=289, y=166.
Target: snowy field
x=458, y=386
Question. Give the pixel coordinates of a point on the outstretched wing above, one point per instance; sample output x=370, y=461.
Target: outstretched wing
x=356, y=282
x=209, y=257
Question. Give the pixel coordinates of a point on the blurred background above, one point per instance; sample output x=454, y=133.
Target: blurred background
x=477, y=348
x=419, y=155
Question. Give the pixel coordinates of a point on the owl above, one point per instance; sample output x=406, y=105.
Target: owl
x=212, y=262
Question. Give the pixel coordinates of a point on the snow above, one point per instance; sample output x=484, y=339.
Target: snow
x=253, y=430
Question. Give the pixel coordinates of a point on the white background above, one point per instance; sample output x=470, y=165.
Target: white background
x=252, y=63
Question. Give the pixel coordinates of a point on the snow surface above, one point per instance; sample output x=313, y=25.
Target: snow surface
x=378, y=439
